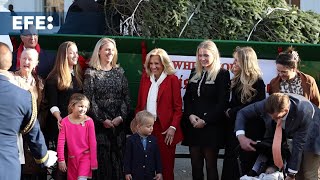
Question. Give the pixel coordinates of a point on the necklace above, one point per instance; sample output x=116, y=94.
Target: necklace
x=27, y=79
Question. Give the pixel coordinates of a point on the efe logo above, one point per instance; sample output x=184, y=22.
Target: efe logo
x=22, y=22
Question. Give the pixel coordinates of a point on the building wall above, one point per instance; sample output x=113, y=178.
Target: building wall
x=45, y=7
x=26, y=5
x=67, y=4
x=39, y=5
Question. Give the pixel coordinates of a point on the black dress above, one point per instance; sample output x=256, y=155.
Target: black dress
x=59, y=98
x=209, y=103
x=109, y=97
x=254, y=130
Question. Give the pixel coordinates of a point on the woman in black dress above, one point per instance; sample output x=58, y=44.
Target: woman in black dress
x=107, y=89
x=247, y=87
x=205, y=101
x=65, y=79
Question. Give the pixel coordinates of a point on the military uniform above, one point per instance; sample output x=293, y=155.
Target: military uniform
x=16, y=114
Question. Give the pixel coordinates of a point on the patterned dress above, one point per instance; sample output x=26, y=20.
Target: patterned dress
x=292, y=86
x=109, y=97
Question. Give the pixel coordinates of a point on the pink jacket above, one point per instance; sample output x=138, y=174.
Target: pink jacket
x=80, y=138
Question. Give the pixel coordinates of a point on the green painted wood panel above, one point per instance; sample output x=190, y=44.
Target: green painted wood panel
x=130, y=58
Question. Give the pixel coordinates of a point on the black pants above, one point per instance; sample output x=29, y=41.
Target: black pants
x=238, y=162
x=230, y=169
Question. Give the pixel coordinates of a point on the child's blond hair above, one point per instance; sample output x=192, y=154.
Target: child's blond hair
x=140, y=119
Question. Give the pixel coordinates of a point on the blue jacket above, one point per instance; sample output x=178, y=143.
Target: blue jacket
x=302, y=126
x=15, y=113
x=142, y=164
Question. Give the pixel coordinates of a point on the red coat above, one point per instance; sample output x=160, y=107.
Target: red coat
x=169, y=103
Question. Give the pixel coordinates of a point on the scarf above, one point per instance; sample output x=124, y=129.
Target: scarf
x=19, y=51
x=153, y=93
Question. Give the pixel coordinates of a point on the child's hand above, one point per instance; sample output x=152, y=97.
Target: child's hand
x=63, y=166
x=158, y=176
x=128, y=177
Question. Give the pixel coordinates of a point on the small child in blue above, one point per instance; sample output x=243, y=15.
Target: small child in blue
x=142, y=157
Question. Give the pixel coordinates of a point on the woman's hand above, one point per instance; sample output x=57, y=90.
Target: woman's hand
x=116, y=121
x=199, y=124
x=193, y=119
x=227, y=112
x=158, y=177
x=169, y=135
x=128, y=177
x=108, y=124
x=57, y=115
x=59, y=123
x=62, y=166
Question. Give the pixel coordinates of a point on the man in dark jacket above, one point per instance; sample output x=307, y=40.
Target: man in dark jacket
x=300, y=121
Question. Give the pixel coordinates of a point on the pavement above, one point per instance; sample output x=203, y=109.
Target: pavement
x=182, y=168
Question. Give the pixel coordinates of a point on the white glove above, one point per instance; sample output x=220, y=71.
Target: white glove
x=51, y=159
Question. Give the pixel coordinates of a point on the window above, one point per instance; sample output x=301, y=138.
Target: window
x=55, y=8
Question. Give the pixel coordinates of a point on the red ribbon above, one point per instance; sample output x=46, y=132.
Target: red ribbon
x=143, y=54
x=84, y=63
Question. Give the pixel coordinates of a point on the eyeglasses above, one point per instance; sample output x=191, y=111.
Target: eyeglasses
x=30, y=35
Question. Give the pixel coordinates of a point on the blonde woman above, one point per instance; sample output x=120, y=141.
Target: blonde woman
x=160, y=94
x=205, y=101
x=247, y=87
x=65, y=79
x=106, y=87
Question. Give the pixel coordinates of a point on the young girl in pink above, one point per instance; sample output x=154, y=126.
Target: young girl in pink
x=78, y=133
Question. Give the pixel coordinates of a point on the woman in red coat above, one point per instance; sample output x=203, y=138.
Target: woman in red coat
x=159, y=93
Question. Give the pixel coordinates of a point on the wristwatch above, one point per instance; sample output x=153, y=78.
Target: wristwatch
x=291, y=175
